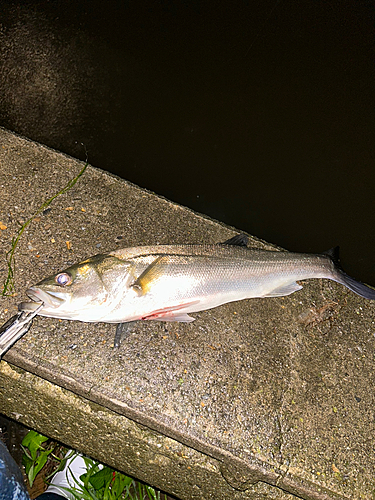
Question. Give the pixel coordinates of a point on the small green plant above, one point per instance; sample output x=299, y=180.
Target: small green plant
x=9, y=282
x=35, y=455
x=104, y=483
x=97, y=483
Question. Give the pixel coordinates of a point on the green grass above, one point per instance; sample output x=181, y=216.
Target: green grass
x=8, y=288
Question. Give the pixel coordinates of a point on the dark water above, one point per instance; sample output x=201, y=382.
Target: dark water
x=257, y=113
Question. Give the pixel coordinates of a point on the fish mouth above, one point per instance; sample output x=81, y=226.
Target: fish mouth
x=38, y=296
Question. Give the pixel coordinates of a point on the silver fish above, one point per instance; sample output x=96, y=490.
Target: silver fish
x=168, y=282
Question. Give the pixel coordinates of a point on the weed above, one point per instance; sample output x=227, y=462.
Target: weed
x=97, y=483
x=34, y=454
x=8, y=288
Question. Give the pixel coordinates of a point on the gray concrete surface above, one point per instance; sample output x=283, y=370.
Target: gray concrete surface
x=261, y=399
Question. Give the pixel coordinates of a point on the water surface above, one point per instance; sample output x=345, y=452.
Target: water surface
x=258, y=113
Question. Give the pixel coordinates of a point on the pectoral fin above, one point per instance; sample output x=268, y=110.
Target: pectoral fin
x=282, y=290
x=150, y=275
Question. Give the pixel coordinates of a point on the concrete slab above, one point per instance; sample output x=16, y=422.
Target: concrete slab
x=261, y=399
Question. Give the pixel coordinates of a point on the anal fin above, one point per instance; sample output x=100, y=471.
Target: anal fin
x=283, y=290
x=180, y=318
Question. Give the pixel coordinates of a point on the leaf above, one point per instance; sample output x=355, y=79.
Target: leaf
x=26, y=453
x=120, y=484
x=31, y=475
x=150, y=492
x=35, y=455
x=27, y=462
x=40, y=462
x=101, y=478
x=91, y=469
x=33, y=441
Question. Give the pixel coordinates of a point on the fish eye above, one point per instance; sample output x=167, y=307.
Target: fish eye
x=63, y=279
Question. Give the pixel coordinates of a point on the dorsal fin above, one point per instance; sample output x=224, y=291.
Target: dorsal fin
x=239, y=240
x=334, y=253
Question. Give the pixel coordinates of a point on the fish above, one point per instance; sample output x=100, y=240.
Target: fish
x=170, y=282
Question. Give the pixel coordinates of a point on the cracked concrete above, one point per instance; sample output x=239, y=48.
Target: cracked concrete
x=260, y=399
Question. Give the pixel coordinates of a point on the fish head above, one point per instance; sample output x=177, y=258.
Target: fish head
x=84, y=291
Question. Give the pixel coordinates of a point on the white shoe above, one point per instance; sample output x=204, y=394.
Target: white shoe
x=69, y=477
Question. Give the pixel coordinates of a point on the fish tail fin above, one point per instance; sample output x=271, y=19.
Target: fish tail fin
x=341, y=277
x=356, y=286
